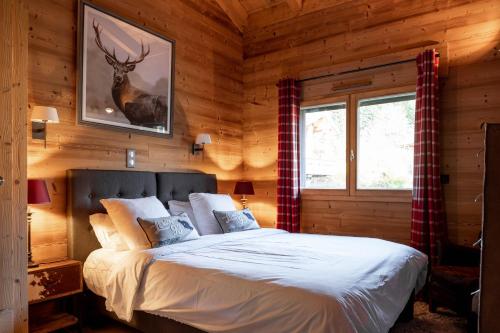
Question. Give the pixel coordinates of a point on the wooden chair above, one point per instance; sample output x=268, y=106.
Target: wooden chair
x=452, y=281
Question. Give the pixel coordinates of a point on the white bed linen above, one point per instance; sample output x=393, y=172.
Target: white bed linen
x=264, y=280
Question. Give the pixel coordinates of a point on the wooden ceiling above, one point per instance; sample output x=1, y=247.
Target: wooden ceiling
x=239, y=10
x=252, y=6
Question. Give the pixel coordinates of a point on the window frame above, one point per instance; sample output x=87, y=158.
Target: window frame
x=352, y=192
x=303, y=110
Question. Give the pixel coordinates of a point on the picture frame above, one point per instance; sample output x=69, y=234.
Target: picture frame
x=125, y=74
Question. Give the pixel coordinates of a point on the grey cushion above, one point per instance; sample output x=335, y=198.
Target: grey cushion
x=237, y=220
x=168, y=230
x=177, y=207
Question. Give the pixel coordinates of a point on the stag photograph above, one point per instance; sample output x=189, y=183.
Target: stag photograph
x=126, y=74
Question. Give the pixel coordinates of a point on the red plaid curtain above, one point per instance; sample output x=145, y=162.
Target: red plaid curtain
x=428, y=226
x=289, y=156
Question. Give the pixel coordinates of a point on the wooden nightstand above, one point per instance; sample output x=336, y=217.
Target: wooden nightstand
x=50, y=287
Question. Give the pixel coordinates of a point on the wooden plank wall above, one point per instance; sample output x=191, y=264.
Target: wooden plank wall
x=280, y=43
x=13, y=106
x=208, y=98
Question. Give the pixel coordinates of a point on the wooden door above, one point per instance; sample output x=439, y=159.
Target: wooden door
x=13, y=110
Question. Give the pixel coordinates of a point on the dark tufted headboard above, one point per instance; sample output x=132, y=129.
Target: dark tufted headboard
x=87, y=187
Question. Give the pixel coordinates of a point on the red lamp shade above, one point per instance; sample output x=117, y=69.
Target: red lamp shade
x=244, y=188
x=37, y=192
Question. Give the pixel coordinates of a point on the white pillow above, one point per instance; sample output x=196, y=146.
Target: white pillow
x=178, y=207
x=106, y=232
x=203, y=206
x=124, y=214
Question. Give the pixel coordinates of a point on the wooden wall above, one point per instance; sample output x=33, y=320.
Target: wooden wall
x=208, y=98
x=225, y=85
x=280, y=43
x=13, y=197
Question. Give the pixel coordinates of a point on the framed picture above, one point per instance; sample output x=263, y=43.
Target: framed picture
x=126, y=74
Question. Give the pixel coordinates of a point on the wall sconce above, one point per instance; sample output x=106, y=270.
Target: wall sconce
x=202, y=139
x=40, y=116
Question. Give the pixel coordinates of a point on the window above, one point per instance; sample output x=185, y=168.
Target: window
x=325, y=131
x=359, y=143
x=385, y=136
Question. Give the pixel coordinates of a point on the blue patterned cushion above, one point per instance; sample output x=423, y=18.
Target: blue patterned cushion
x=237, y=220
x=168, y=230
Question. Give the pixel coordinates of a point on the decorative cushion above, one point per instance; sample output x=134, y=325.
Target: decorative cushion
x=106, y=232
x=203, y=206
x=168, y=230
x=124, y=214
x=237, y=220
x=178, y=207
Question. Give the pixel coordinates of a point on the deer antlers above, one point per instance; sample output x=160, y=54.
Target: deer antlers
x=98, y=29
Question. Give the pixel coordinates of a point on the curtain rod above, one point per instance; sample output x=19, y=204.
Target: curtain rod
x=358, y=70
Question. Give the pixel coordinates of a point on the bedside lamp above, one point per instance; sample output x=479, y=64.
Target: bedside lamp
x=37, y=194
x=40, y=116
x=244, y=188
x=202, y=139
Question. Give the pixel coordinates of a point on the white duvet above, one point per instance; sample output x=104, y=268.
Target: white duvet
x=264, y=280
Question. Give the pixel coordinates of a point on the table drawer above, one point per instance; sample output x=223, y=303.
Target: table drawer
x=47, y=282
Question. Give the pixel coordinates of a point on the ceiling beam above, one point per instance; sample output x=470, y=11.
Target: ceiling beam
x=235, y=11
x=295, y=5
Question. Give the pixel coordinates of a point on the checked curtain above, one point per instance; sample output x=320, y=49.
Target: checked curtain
x=428, y=224
x=289, y=155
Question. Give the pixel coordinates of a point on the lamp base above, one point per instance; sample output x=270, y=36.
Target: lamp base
x=31, y=263
x=244, y=201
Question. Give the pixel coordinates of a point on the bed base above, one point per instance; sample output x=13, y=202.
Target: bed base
x=142, y=321
x=407, y=314
x=146, y=322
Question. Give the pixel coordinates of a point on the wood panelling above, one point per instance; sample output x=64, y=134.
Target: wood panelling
x=13, y=112
x=208, y=98
x=358, y=33
x=236, y=12
x=225, y=85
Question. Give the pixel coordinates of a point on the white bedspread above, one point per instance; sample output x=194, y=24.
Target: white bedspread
x=263, y=280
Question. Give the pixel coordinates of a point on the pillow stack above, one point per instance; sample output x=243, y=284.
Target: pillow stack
x=124, y=214
x=133, y=224
x=106, y=232
x=203, y=206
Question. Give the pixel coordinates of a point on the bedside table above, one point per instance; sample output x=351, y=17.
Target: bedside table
x=50, y=287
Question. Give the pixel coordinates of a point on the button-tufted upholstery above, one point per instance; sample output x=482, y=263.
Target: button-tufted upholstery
x=87, y=187
x=178, y=186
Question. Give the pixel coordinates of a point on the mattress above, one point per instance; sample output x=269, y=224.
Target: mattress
x=264, y=280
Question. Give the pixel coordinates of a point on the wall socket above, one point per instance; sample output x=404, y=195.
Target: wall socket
x=130, y=158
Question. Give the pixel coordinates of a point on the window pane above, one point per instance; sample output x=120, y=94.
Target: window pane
x=324, y=147
x=386, y=128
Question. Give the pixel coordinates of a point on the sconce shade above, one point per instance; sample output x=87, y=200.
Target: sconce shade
x=203, y=139
x=37, y=192
x=43, y=114
x=244, y=188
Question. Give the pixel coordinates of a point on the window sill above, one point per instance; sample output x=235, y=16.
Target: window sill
x=370, y=196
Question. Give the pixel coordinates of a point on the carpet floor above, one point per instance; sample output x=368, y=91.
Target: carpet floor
x=424, y=322
x=442, y=321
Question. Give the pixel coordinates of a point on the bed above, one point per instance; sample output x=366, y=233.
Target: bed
x=263, y=280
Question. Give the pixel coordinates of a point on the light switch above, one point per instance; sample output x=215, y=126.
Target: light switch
x=130, y=158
